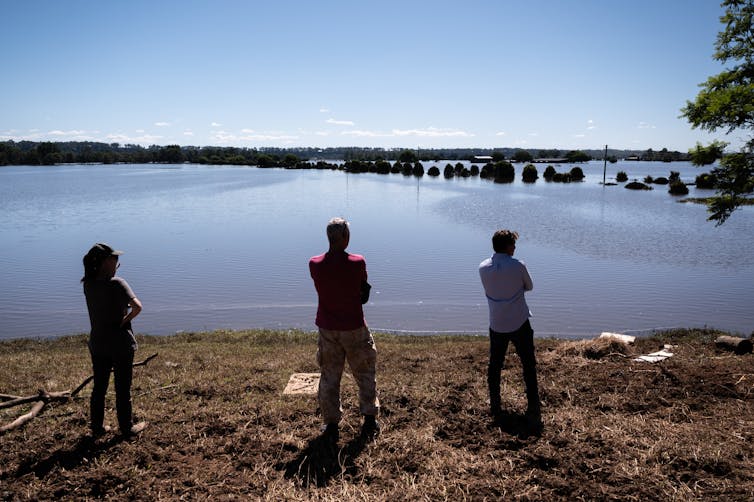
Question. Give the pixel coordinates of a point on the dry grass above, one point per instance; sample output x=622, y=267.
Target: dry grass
x=221, y=428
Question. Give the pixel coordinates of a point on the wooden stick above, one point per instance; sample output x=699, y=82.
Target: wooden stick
x=24, y=418
x=737, y=345
x=44, y=397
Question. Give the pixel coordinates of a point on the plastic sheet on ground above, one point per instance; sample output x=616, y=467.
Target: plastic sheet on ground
x=656, y=357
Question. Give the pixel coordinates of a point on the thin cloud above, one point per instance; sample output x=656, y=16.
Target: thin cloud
x=645, y=125
x=324, y=110
x=216, y=124
x=162, y=124
x=365, y=134
x=590, y=125
x=432, y=132
x=143, y=139
x=340, y=122
x=501, y=133
x=224, y=137
x=188, y=133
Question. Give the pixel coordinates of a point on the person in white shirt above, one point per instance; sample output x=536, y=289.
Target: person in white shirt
x=505, y=280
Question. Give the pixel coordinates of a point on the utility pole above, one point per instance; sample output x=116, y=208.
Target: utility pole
x=604, y=169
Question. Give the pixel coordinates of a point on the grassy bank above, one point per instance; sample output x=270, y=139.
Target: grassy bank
x=220, y=427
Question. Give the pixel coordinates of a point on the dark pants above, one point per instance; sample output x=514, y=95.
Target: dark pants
x=523, y=341
x=121, y=364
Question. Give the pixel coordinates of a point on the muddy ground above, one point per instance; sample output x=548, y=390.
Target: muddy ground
x=220, y=427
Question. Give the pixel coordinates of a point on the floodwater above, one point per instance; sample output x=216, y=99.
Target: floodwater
x=209, y=247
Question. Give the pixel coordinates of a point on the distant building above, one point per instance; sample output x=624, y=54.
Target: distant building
x=551, y=161
x=482, y=159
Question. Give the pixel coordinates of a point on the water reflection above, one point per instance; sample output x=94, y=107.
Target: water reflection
x=227, y=247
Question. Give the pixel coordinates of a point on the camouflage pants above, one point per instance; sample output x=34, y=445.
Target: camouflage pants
x=333, y=348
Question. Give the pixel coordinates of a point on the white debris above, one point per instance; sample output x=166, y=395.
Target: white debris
x=302, y=383
x=658, y=356
x=627, y=339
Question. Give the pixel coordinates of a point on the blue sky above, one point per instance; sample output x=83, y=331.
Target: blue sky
x=564, y=74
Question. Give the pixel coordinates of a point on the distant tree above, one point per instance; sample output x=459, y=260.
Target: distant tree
x=407, y=156
x=705, y=180
x=576, y=173
x=621, y=176
x=48, y=153
x=522, y=156
x=504, y=172
x=383, y=166
x=549, y=173
x=289, y=160
x=678, y=187
x=497, y=156
x=433, y=171
x=529, y=174
x=725, y=102
x=577, y=156
x=448, y=172
x=171, y=154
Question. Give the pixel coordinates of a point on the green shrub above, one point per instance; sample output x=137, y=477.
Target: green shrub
x=621, y=176
x=678, y=187
x=530, y=174
x=577, y=174
x=706, y=180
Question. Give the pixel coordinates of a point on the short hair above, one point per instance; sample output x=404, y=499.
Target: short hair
x=502, y=239
x=337, y=229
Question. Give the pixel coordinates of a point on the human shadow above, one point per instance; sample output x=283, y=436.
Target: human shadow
x=518, y=424
x=322, y=460
x=85, y=449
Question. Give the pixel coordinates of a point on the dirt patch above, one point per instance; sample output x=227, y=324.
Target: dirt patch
x=220, y=426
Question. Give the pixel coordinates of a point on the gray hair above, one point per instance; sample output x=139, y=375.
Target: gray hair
x=337, y=229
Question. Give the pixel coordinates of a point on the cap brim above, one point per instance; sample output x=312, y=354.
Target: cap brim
x=116, y=252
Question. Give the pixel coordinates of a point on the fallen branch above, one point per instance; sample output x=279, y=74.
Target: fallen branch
x=43, y=397
x=734, y=344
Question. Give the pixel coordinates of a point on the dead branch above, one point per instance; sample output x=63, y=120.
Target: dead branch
x=35, y=410
x=43, y=397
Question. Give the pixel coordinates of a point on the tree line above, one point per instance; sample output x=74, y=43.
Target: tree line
x=87, y=152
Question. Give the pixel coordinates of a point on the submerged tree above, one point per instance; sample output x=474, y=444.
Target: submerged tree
x=726, y=101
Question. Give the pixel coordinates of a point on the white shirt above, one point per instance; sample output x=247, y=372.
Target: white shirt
x=505, y=279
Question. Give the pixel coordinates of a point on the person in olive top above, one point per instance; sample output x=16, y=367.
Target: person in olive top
x=340, y=279
x=112, y=305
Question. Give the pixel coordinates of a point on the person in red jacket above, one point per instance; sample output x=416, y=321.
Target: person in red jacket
x=340, y=279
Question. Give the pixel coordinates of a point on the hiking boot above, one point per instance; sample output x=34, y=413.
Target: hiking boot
x=371, y=428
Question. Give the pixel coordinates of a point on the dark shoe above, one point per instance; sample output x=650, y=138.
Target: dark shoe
x=534, y=414
x=371, y=428
x=135, y=429
x=331, y=433
x=100, y=431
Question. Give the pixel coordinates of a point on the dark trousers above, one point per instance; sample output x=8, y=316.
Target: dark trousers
x=523, y=341
x=121, y=364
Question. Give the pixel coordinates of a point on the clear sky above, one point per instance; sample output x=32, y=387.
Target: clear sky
x=566, y=74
